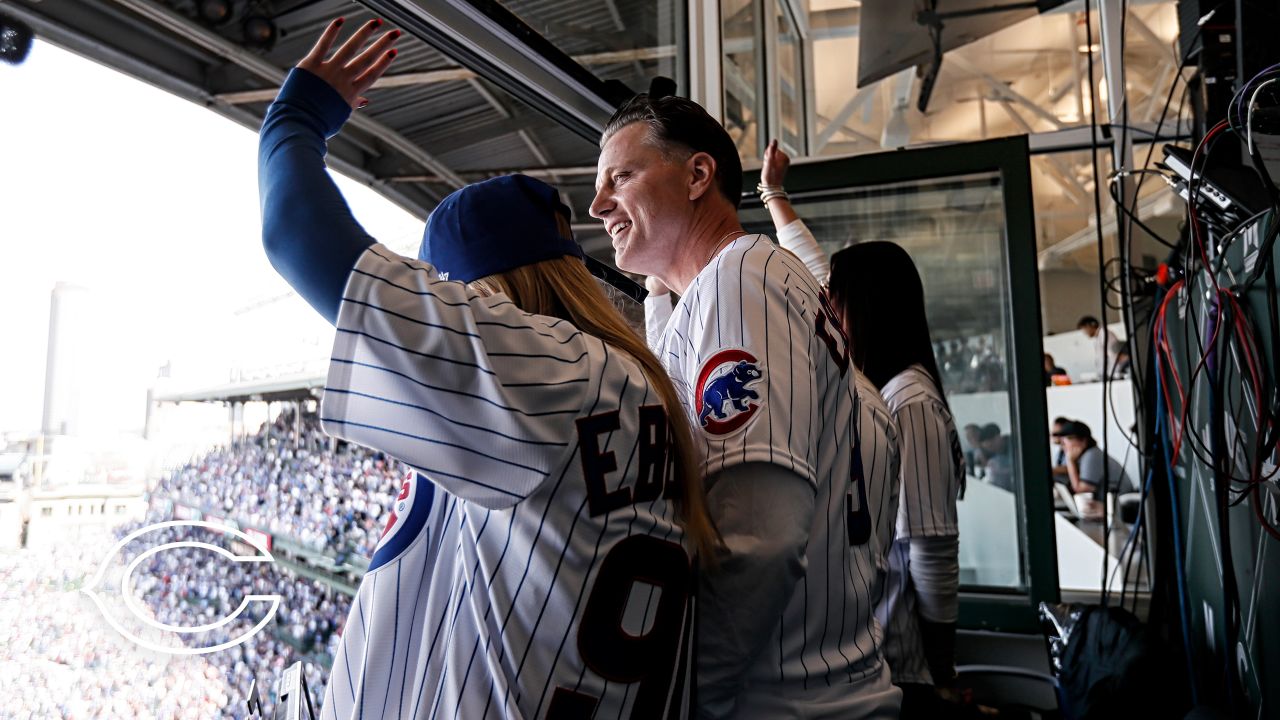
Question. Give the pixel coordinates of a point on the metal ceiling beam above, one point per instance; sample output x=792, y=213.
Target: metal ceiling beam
x=1145, y=31
x=217, y=45
x=1154, y=205
x=832, y=24
x=568, y=171
x=525, y=136
x=59, y=32
x=1057, y=171
x=114, y=36
x=1079, y=68
x=620, y=26
x=1076, y=68
x=458, y=74
x=426, y=77
x=1004, y=89
x=842, y=118
x=1168, y=70
x=488, y=38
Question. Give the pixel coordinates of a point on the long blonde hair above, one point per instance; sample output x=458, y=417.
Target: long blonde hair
x=562, y=288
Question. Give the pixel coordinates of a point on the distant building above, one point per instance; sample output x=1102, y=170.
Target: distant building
x=62, y=514
x=12, y=499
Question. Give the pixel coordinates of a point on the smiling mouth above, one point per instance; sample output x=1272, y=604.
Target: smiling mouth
x=619, y=229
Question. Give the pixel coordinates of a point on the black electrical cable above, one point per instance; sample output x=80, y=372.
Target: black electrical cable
x=1135, y=220
x=1127, y=298
x=1230, y=591
x=1102, y=293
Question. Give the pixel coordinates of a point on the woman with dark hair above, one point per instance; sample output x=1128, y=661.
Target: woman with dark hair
x=879, y=298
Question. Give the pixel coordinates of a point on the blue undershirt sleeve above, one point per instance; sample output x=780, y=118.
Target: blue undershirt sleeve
x=308, y=232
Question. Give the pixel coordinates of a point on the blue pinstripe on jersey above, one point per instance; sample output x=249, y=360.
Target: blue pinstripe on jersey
x=453, y=391
x=442, y=416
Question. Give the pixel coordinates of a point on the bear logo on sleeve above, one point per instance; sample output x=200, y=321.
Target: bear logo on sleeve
x=725, y=394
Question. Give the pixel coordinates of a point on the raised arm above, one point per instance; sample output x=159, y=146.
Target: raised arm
x=419, y=364
x=793, y=234
x=308, y=232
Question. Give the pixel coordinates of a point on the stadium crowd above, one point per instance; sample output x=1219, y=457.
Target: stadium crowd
x=973, y=365
x=65, y=661
x=184, y=588
x=323, y=500
x=62, y=660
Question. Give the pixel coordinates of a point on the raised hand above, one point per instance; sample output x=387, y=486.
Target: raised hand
x=353, y=69
x=775, y=167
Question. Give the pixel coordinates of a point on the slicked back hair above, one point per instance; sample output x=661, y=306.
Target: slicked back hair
x=676, y=122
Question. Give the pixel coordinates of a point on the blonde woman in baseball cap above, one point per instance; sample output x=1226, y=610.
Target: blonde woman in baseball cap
x=539, y=561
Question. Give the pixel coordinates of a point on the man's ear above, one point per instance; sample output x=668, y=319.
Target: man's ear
x=702, y=175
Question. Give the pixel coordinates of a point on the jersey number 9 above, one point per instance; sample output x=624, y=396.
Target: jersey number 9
x=657, y=659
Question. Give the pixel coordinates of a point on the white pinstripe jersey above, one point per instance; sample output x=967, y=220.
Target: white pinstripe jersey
x=881, y=464
x=932, y=463
x=521, y=572
x=768, y=377
x=932, y=467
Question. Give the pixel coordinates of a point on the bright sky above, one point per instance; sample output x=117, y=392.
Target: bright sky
x=152, y=203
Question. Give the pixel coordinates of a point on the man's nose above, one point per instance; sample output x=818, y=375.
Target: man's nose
x=601, y=205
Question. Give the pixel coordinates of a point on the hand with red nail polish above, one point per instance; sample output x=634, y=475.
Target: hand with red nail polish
x=354, y=68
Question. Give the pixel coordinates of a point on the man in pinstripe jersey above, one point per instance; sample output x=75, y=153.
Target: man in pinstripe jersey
x=785, y=623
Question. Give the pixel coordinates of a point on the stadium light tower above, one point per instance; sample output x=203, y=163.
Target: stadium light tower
x=67, y=358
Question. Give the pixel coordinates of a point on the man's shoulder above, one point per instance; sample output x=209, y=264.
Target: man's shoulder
x=752, y=270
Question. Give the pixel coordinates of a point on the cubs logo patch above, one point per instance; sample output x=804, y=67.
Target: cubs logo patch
x=400, y=508
x=725, y=394
x=410, y=514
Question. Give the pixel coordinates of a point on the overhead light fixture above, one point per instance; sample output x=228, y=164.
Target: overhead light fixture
x=214, y=12
x=259, y=32
x=1085, y=49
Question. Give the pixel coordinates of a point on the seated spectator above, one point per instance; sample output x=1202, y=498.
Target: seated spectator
x=1059, y=467
x=975, y=462
x=996, y=450
x=1051, y=370
x=1089, y=469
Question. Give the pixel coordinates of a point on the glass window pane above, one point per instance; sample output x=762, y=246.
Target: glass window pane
x=791, y=89
x=632, y=42
x=743, y=74
x=954, y=230
x=1068, y=260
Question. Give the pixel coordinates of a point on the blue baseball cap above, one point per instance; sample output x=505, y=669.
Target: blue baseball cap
x=494, y=226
